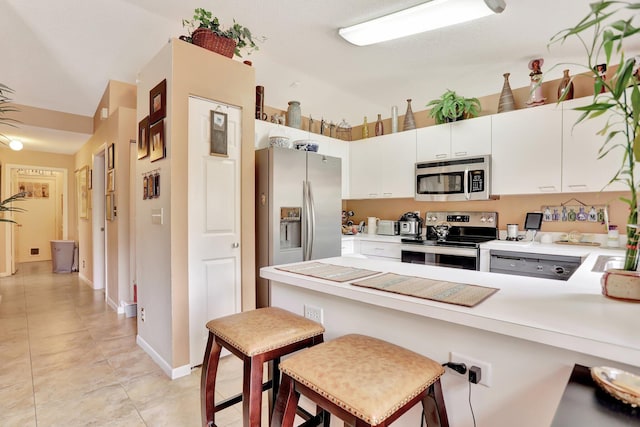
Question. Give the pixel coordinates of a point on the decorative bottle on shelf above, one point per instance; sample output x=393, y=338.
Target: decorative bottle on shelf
x=565, y=86
x=379, y=126
x=294, y=116
x=365, y=128
x=394, y=119
x=409, y=120
x=506, y=102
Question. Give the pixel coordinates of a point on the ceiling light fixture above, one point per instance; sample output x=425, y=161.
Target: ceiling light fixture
x=16, y=145
x=418, y=19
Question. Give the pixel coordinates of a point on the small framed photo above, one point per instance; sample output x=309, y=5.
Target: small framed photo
x=156, y=184
x=218, y=134
x=90, y=182
x=143, y=138
x=156, y=141
x=158, y=102
x=109, y=206
x=145, y=190
x=111, y=181
x=111, y=156
x=150, y=187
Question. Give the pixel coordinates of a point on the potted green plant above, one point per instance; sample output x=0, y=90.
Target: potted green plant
x=6, y=107
x=602, y=33
x=205, y=31
x=5, y=206
x=451, y=107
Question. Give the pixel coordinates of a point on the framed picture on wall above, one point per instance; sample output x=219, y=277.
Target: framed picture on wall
x=82, y=192
x=143, y=138
x=111, y=181
x=111, y=156
x=109, y=206
x=218, y=134
x=156, y=141
x=158, y=102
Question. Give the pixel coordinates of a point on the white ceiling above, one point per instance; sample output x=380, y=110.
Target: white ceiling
x=61, y=54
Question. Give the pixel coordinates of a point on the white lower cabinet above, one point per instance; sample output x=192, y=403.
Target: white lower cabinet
x=382, y=167
x=526, y=153
x=388, y=251
x=582, y=170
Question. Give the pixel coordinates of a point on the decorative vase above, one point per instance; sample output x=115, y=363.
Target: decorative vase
x=365, y=128
x=621, y=284
x=294, y=115
x=394, y=119
x=565, y=87
x=379, y=126
x=506, y=102
x=409, y=120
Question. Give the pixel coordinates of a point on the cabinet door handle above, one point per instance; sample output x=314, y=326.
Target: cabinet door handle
x=578, y=187
x=547, y=188
x=442, y=156
x=460, y=153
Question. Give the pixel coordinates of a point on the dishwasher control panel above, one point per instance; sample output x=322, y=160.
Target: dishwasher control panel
x=559, y=267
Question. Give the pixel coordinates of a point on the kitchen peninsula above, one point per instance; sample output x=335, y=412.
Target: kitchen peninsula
x=532, y=332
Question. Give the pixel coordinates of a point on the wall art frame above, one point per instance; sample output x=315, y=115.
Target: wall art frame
x=82, y=192
x=111, y=156
x=158, y=102
x=157, y=149
x=143, y=138
x=111, y=181
x=219, y=142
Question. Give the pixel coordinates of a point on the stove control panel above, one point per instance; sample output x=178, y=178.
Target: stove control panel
x=478, y=219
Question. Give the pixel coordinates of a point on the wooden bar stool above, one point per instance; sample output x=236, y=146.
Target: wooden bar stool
x=362, y=380
x=256, y=337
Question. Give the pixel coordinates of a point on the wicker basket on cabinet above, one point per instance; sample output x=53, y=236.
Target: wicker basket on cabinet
x=211, y=41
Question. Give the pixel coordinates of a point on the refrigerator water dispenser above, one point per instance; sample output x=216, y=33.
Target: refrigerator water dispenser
x=290, y=228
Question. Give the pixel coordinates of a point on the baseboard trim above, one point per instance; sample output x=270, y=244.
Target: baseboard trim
x=173, y=373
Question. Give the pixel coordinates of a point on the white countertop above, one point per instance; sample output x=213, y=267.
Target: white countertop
x=572, y=315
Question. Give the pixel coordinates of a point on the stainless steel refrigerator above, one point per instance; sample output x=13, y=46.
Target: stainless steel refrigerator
x=298, y=209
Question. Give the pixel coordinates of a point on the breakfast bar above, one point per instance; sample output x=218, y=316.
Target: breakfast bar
x=529, y=333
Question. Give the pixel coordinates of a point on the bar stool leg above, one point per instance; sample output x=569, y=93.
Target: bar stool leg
x=208, y=381
x=435, y=412
x=284, y=412
x=252, y=390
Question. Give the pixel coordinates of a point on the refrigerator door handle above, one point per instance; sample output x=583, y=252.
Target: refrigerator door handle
x=306, y=224
x=312, y=217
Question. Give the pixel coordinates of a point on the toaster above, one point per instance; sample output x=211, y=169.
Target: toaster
x=388, y=228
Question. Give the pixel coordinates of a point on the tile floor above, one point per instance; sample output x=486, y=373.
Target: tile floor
x=67, y=359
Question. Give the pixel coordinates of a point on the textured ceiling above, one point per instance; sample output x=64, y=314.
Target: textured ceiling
x=62, y=53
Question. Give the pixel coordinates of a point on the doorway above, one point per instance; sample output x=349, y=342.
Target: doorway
x=98, y=220
x=46, y=215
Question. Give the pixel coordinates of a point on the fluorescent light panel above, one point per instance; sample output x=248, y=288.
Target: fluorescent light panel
x=418, y=19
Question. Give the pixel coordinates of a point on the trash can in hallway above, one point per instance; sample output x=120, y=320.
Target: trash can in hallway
x=62, y=252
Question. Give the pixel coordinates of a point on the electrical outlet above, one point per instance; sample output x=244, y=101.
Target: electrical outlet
x=142, y=314
x=313, y=313
x=485, y=378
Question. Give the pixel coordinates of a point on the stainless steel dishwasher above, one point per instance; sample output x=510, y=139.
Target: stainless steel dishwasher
x=559, y=267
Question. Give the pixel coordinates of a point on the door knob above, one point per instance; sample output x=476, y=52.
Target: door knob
x=235, y=245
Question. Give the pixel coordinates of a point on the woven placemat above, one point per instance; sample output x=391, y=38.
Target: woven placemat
x=435, y=290
x=337, y=273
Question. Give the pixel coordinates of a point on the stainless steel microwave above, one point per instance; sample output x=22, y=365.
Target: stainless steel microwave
x=467, y=178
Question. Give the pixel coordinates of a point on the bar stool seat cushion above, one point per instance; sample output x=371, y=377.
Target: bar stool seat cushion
x=367, y=377
x=262, y=330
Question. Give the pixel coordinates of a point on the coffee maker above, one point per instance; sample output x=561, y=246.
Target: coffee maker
x=410, y=225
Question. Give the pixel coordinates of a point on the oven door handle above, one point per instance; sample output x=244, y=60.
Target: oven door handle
x=467, y=192
x=441, y=250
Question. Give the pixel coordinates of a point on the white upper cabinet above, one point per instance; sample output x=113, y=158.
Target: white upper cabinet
x=581, y=168
x=527, y=151
x=382, y=167
x=464, y=138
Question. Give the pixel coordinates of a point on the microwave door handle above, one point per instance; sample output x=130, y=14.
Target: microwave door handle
x=467, y=193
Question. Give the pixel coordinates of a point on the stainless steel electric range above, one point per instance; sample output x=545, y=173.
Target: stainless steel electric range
x=451, y=239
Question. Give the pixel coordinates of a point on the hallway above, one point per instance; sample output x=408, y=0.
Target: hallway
x=67, y=359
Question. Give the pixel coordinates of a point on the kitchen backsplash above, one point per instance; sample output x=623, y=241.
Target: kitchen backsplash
x=511, y=209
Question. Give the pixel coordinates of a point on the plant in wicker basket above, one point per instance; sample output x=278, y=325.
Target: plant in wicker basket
x=205, y=31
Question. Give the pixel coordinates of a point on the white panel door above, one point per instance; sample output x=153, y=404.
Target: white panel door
x=214, y=222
